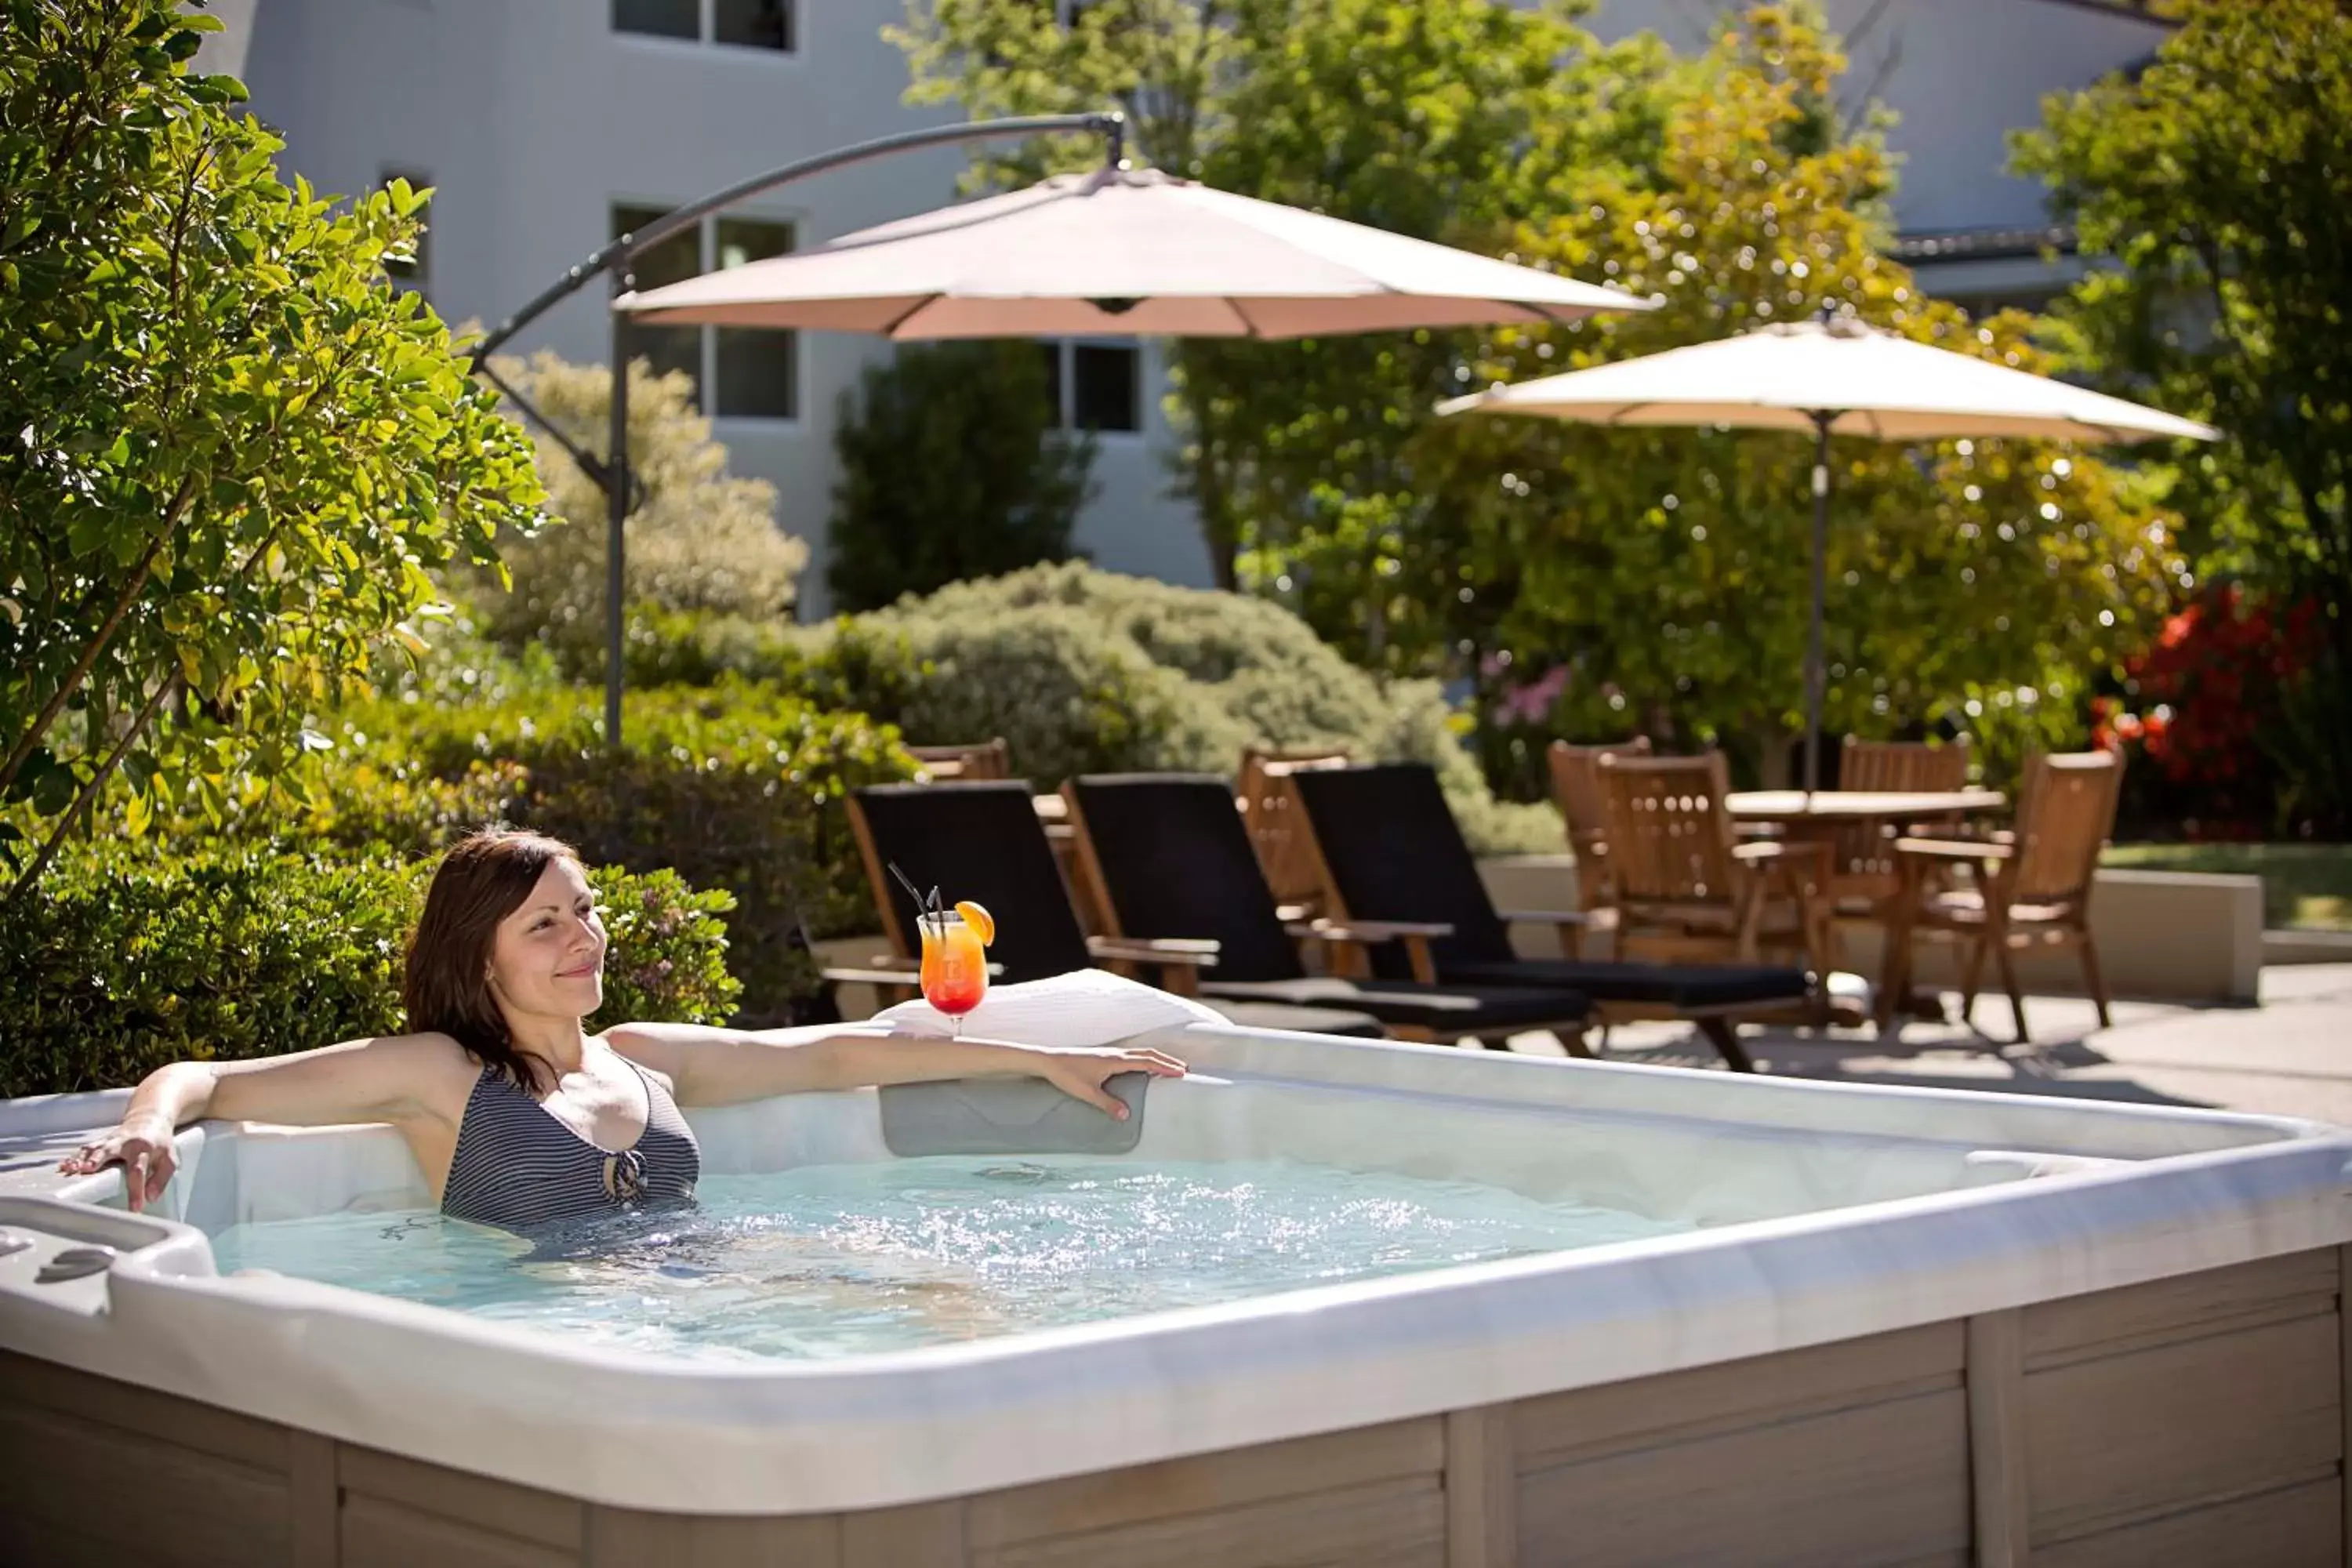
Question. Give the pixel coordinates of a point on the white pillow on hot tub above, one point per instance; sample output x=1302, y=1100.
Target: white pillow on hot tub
x=1084, y=1007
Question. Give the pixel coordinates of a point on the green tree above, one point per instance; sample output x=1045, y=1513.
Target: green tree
x=233, y=451
x=1983, y=584
x=1446, y=119
x=2219, y=180
x=951, y=468
x=703, y=541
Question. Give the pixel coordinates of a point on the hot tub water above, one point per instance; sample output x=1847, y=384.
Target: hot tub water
x=830, y=1260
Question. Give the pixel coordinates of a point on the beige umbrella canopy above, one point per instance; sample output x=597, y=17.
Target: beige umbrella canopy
x=1130, y=252
x=1831, y=377
x=1872, y=383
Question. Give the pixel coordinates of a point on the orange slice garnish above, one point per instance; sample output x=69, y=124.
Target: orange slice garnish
x=979, y=920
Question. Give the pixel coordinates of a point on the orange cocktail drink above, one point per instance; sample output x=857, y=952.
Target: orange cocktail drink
x=955, y=964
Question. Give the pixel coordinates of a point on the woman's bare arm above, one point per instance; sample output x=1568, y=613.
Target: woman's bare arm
x=389, y=1077
x=719, y=1066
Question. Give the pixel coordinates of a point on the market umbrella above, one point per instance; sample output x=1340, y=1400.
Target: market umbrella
x=1130, y=252
x=1833, y=377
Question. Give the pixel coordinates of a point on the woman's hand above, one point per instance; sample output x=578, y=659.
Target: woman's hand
x=142, y=1145
x=1080, y=1071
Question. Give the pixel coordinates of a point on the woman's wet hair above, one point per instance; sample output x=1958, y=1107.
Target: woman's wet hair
x=447, y=985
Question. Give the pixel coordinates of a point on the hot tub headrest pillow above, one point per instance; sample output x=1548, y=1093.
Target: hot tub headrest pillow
x=1026, y=1116
x=1084, y=1007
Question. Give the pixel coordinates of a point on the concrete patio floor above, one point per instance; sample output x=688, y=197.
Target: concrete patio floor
x=2291, y=1056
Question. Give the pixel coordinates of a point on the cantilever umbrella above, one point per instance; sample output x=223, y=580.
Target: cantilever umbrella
x=1836, y=376
x=1129, y=252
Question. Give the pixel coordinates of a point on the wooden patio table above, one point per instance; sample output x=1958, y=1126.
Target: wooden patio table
x=1840, y=807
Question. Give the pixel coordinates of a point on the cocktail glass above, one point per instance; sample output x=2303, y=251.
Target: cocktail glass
x=955, y=966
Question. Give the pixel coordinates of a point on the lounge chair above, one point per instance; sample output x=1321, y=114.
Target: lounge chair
x=1392, y=851
x=984, y=842
x=2030, y=887
x=991, y=759
x=1170, y=858
x=1270, y=811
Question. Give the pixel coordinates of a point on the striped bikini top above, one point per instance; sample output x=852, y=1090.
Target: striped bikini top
x=520, y=1168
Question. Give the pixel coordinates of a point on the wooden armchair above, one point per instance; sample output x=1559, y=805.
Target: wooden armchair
x=1687, y=887
x=1277, y=825
x=1865, y=879
x=1584, y=806
x=1903, y=767
x=2032, y=886
x=990, y=759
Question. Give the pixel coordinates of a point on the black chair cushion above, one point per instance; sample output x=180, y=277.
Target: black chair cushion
x=1396, y=854
x=1445, y=1010
x=1176, y=862
x=1686, y=987
x=980, y=841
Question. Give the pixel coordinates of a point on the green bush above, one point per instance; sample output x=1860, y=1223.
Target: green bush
x=673, y=649
x=1084, y=670
x=950, y=468
x=736, y=785
x=704, y=540
x=1177, y=677
x=130, y=960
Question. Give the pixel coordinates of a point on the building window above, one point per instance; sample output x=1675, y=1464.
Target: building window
x=1053, y=353
x=752, y=24
x=660, y=18
x=1105, y=386
x=1095, y=386
x=754, y=371
x=417, y=273
x=758, y=368
x=742, y=24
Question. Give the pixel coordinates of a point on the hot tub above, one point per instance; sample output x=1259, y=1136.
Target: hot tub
x=1899, y=1326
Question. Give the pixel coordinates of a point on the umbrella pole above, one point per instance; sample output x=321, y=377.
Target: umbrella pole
x=615, y=258
x=616, y=516
x=1816, y=673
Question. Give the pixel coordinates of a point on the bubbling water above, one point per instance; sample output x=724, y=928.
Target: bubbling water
x=830, y=1260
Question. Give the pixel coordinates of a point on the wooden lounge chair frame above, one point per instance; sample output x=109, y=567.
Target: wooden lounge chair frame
x=979, y=760
x=1271, y=812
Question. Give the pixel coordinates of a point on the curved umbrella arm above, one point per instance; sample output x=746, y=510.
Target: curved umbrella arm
x=588, y=463
x=615, y=256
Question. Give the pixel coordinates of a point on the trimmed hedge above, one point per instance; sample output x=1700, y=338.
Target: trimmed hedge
x=128, y=960
x=1084, y=670
x=736, y=785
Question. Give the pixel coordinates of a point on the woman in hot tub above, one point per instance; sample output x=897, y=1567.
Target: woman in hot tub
x=516, y=1115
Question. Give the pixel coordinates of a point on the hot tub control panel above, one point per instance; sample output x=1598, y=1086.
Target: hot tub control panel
x=57, y=1255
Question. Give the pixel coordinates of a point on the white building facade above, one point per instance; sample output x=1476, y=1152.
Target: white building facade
x=542, y=124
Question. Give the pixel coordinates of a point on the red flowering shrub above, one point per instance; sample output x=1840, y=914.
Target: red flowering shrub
x=2204, y=704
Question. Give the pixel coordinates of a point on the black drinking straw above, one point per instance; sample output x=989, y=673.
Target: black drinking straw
x=921, y=907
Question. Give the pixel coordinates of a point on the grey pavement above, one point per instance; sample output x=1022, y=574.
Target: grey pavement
x=2291, y=1056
